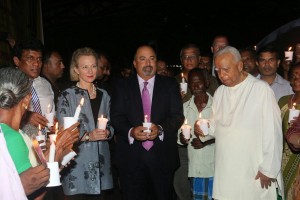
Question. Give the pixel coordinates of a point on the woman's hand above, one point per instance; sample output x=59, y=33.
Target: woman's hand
x=98, y=134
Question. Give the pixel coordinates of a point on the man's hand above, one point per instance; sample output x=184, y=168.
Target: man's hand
x=138, y=133
x=182, y=139
x=67, y=137
x=36, y=119
x=265, y=181
x=98, y=134
x=34, y=178
x=197, y=144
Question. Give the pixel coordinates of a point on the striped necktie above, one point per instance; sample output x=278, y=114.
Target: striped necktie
x=36, y=105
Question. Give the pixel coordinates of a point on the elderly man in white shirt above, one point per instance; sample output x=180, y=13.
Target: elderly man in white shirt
x=248, y=135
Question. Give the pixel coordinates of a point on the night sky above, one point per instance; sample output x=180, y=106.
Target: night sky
x=118, y=27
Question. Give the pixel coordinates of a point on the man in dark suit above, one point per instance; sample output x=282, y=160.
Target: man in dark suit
x=146, y=161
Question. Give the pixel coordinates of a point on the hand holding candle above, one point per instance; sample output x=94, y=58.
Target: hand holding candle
x=183, y=84
x=293, y=113
x=78, y=109
x=186, y=130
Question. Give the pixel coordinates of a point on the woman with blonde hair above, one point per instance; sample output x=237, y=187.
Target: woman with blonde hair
x=90, y=174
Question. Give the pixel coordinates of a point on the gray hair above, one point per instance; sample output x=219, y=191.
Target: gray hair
x=14, y=86
x=231, y=50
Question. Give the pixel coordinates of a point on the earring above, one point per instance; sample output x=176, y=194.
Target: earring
x=24, y=106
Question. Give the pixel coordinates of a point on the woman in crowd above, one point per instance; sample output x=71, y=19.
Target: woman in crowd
x=90, y=174
x=291, y=158
x=15, y=97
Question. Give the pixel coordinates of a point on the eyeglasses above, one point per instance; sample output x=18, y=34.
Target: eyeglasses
x=189, y=57
x=31, y=59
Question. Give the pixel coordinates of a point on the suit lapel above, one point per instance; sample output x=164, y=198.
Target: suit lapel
x=155, y=98
x=136, y=97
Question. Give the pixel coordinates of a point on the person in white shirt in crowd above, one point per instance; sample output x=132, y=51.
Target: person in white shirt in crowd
x=268, y=62
x=248, y=135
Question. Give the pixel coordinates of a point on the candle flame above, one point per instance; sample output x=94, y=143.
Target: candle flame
x=35, y=143
x=101, y=116
x=185, y=122
x=81, y=101
x=56, y=127
x=290, y=48
x=200, y=116
x=182, y=75
x=39, y=127
x=255, y=47
x=294, y=104
x=146, y=119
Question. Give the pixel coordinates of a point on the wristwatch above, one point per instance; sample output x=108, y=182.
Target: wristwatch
x=87, y=137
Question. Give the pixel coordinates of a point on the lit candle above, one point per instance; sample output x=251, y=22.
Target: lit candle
x=254, y=47
x=186, y=130
x=38, y=150
x=78, y=109
x=147, y=124
x=39, y=132
x=102, y=122
x=183, y=81
x=293, y=113
x=52, y=151
x=183, y=85
x=289, y=54
x=203, y=124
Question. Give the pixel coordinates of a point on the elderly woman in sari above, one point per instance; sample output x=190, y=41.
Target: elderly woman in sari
x=291, y=158
x=91, y=174
x=15, y=97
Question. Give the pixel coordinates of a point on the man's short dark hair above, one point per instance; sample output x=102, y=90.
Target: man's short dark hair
x=31, y=44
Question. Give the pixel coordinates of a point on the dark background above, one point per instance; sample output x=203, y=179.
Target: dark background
x=117, y=27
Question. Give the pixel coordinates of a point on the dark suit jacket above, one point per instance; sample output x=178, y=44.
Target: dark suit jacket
x=127, y=112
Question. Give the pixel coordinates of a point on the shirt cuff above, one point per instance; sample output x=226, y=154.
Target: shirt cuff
x=161, y=134
x=130, y=139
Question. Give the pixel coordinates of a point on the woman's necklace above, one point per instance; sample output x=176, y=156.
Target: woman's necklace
x=93, y=90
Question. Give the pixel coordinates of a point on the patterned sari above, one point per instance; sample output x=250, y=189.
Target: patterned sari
x=290, y=159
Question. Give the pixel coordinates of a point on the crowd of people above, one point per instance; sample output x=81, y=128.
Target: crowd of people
x=250, y=149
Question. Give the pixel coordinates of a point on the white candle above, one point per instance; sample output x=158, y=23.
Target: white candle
x=186, y=130
x=183, y=81
x=39, y=132
x=203, y=124
x=102, y=122
x=293, y=113
x=52, y=151
x=48, y=108
x=78, y=109
x=183, y=84
x=289, y=54
x=147, y=124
